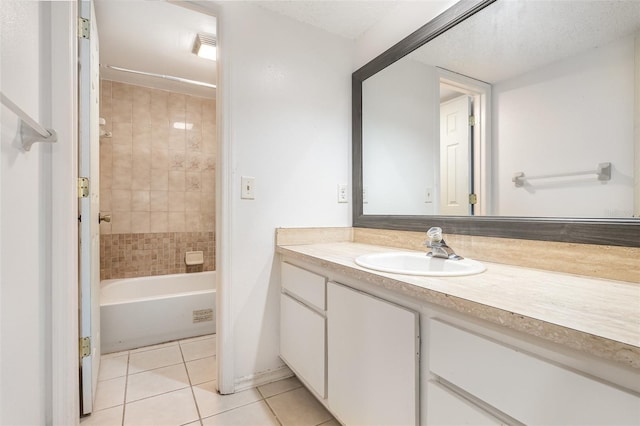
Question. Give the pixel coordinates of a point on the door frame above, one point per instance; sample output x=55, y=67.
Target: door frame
x=481, y=93
x=65, y=399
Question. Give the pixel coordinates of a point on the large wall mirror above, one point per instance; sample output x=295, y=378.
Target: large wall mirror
x=507, y=118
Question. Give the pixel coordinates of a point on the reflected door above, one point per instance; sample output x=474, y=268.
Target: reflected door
x=455, y=148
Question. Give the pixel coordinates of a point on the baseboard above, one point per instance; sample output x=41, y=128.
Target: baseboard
x=262, y=378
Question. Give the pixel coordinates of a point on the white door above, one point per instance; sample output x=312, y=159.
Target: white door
x=455, y=146
x=89, y=232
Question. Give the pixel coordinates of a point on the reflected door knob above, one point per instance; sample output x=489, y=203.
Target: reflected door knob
x=104, y=217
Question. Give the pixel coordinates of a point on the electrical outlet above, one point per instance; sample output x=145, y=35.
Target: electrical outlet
x=248, y=184
x=342, y=193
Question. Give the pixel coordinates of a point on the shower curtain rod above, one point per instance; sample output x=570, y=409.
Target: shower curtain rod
x=166, y=77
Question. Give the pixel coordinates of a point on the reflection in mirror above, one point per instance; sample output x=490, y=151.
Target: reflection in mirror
x=553, y=91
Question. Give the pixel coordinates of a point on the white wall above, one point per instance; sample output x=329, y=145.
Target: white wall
x=26, y=205
x=285, y=94
x=400, y=149
x=568, y=116
x=32, y=274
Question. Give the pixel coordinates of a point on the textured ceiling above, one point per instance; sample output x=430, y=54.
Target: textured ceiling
x=349, y=19
x=509, y=38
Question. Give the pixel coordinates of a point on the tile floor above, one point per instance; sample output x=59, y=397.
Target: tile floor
x=175, y=384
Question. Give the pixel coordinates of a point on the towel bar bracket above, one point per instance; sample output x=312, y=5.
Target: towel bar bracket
x=30, y=136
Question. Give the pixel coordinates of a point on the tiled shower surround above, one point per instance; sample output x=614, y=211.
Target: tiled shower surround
x=157, y=180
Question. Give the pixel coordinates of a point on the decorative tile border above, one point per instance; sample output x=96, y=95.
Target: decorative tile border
x=140, y=255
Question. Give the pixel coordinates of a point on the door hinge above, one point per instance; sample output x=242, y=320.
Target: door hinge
x=83, y=187
x=473, y=199
x=472, y=120
x=85, y=347
x=84, y=28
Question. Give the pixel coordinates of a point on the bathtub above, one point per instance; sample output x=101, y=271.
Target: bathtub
x=136, y=312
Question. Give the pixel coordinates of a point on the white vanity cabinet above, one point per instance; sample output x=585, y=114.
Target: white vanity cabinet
x=373, y=349
x=303, y=325
x=526, y=388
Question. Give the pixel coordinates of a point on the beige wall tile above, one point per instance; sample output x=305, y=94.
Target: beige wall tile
x=141, y=178
x=121, y=91
x=194, y=162
x=208, y=203
x=160, y=133
x=122, y=111
x=194, y=109
x=121, y=200
x=105, y=228
x=159, y=201
x=208, y=222
x=140, y=222
x=192, y=201
x=176, y=181
x=176, y=160
x=142, y=136
x=140, y=201
x=177, y=222
x=176, y=201
x=193, y=222
x=159, y=222
x=159, y=109
x=177, y=107
x=209, y=163
x=160, y=157
x=121, y=177
x=159, y=179
x=122, y=156
x=122, y=133
x=146, y=157
x=208, y=181
x=193, y=181
x=105, y=199
x=120, y=222
x=177, y=139
x=194, y=138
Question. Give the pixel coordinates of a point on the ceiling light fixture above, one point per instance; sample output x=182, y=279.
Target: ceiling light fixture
x=205, y=46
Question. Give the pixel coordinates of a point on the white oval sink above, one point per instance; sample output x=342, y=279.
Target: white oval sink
x=413, y=263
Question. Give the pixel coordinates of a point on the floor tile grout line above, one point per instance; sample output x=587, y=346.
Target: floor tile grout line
x=126, y=385
x=157, y=368
x=273, y=411
x=193, y=394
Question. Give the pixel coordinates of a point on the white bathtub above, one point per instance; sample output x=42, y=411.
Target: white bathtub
x=136, y=312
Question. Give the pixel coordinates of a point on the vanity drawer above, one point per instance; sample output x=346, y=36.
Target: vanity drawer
x=529, y=389
x=302, y=342
x=445, y=408
x=304, y=285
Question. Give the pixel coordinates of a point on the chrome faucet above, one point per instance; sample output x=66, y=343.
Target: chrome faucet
x=438, y=246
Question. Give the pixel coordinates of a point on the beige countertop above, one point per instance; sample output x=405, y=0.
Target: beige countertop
x=597, y=316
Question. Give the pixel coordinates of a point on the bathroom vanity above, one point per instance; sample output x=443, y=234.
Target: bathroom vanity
x=512, y=345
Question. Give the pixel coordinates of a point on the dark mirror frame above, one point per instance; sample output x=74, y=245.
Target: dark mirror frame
x=617, y=232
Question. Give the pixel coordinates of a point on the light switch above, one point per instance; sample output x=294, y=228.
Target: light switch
x=248, y=185
x=428, y=195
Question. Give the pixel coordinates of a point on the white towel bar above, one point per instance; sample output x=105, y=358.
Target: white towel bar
x=30, y=130
x=603, y=173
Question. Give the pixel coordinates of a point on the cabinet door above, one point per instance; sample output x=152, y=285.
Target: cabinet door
x=372, y=348
x=444, y=408
x=302, y=342
x=529, y=389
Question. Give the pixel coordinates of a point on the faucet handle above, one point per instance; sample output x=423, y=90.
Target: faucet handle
x=434, y=234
